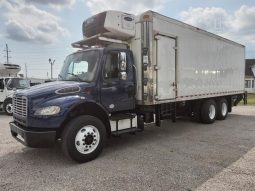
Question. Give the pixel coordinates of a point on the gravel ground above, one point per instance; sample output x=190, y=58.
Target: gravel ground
x=238, y=176
x=176, y=156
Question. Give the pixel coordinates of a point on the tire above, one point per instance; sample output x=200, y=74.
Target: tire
x=83, y=138
x=7, y=106
x=208, y=111
x=222, y=109
x=14, y=134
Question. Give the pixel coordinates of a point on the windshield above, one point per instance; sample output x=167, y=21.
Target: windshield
x=18, y=83
x=80, y=66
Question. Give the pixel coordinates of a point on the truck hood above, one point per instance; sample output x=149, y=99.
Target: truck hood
x=48, y=89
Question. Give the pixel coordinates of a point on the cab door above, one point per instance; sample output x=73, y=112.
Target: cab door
x=117, y=85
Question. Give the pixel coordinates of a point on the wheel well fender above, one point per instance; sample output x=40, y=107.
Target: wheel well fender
x=87, y=108
x=7, y=99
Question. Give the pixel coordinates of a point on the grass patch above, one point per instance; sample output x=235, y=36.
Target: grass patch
x=250, y=100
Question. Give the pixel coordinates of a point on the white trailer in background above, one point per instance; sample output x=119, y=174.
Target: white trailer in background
x=9, y=70
x=9, y=83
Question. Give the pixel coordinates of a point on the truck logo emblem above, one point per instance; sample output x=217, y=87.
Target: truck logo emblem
x=111, y=106
x=128, y=18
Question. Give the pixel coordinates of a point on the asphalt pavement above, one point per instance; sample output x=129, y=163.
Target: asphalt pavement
x=177, y=156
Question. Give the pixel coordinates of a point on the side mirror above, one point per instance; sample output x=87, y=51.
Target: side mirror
x=9, y=85
x=123, y=62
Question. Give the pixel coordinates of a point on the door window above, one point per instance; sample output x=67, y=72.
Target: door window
x=115, y=65
x=111, y=69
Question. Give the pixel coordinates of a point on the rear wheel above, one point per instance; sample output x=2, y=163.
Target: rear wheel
x=222, y=109
x=208, y=111
x=83, y=138
x=7, y=106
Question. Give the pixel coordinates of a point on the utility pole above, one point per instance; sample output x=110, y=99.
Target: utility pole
x=26, y=69
x=51, y=69
x=7, y=54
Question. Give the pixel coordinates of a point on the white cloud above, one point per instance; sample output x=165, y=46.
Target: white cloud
x=239, y=26
x=243, y=24
x=131, y=6
x=58, y=4
x=212, y=19
x=25, y=22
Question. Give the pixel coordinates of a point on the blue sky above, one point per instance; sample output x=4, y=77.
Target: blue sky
x=37, y=30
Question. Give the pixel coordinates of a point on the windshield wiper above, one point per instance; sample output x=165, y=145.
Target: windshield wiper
x=76, y=76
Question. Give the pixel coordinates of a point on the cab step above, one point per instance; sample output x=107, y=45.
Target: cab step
x=124, y=123
x=121, y=116
x=124, y=131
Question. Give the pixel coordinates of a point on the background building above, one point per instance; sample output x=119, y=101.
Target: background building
x=250, y=75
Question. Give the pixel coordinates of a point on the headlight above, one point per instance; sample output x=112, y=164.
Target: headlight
x=50, y=110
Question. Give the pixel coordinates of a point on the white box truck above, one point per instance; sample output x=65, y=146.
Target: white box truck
x=130, y=70
x=9, y=83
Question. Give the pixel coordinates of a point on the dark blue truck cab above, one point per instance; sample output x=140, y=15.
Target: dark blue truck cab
x=95, y=85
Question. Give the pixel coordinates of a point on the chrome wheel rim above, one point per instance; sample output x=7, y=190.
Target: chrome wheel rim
x=87, y=139
x=212, y=111
x=224, y=109
x=9, y=108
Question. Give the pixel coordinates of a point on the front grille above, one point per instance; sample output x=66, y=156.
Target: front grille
x=20, y=106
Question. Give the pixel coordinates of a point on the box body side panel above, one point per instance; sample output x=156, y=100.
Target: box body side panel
x=204, y=64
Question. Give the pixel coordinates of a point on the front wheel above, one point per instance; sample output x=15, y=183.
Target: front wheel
x=7, y=106
x=83, y=138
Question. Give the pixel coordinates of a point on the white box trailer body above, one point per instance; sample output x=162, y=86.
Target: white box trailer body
x=183, y=62
x=174, y=61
